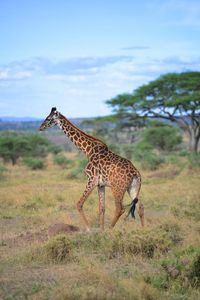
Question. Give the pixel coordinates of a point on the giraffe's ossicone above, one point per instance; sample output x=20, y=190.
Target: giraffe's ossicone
x=104, y=169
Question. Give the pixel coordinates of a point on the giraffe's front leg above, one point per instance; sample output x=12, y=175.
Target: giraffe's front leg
x=101, y=191
x=89, y=188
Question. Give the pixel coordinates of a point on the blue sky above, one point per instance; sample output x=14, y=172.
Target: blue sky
x=77, y=54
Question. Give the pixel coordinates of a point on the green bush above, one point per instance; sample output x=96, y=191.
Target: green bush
x=55, y=149
x=195, y=271
x=162, y=136
x=146, y=243
x=3, y=170
x=62, y=161
x=128, y=151
x=194, y=160
x=148, y=159
x=58, y=248
x=38, y=145
x=14, y=146
x=181, y=271
x=78, y=171
x=34, y=163
x=115, y=148
x=152, y=161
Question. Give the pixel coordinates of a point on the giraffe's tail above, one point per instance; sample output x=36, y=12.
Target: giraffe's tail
x=132, y=208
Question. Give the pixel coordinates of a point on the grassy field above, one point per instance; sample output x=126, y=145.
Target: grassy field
x=160, y=261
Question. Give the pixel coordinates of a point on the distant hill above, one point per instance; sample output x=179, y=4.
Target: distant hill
x=28, y=123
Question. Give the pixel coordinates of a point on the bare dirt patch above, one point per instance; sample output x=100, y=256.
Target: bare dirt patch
x=61, y=228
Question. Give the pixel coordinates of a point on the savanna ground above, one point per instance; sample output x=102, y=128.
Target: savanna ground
x=160, y=261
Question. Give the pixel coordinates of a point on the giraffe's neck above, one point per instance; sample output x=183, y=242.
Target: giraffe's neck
x=86, y=143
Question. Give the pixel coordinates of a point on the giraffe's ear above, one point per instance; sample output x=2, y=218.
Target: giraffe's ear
x=53, y=109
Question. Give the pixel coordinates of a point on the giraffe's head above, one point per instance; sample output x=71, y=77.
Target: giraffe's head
x=50, y=120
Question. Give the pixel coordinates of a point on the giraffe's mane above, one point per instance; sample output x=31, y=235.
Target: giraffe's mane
x=90, y=137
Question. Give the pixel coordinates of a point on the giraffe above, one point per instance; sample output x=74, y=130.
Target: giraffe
x=104, y=169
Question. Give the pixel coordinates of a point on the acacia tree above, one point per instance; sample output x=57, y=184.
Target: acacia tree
x=174, y=97
x=13, y=146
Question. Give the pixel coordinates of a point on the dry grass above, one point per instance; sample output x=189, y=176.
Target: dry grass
x=160, y=261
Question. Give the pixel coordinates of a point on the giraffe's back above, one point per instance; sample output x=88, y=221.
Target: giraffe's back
x=114, y=169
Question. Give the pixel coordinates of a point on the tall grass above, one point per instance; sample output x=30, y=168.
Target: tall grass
x=160, y=261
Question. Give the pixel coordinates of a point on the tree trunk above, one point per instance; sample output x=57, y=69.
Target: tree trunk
x=13, y=160
x=194, y=141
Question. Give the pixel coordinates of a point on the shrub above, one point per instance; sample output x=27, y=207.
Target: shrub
x=62, y=161
x=14, y=146
x=58, y=248
x=182, y=270
x=142, y=146
x=162, y=136
x=152, y=161
x=173, y=231
x=195, y=271
x=55, y=149
x=128, y=151
x=55, y=250
x=78, y=171
x=34, y=163
x=115, y=148
x=194, y=160
x=137, y=243
x=38, y=145
x=143, y=152
x=3, y=170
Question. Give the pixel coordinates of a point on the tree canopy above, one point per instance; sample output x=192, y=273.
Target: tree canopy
x=173, y=96
x=14, y=146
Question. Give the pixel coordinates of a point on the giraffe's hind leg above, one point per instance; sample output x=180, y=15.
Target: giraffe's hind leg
x=133, y=191
x=119, y=209
x=89, y=188
x=101, y=192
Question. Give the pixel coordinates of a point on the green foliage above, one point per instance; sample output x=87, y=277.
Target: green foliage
x=34, y=163
x=62, y=161
x=152, y=161
x=173, y=96
x=55, y=149
x=3, y=171
x=78, y=171
x=195, y=271
x=121, y=243
x=115, y=148
x=140, y=147
x=58, y=248
x=165, y=138
x=179, y=274
x=194, y=160
x=148, y=159
x=128, y=151
x=14, y=146
x=38, y=145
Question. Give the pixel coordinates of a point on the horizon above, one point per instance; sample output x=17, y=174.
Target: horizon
x=84, y=53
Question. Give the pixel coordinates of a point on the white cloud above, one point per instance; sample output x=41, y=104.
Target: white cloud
x=12, y=74
x=82, y=88
x=136, y=48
